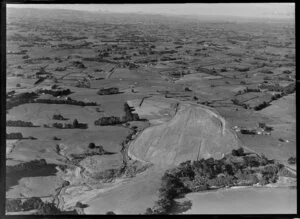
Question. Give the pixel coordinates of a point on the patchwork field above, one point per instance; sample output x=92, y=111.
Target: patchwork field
x=100, y=106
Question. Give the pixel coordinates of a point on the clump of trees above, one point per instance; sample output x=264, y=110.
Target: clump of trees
x=67, y=101
x=92, y=145
x=266, y=71
x=110, y=120
x=60, y=69
x=291, y=88
x=110, y=213
x=239, y=152
x=291, y=160
x=235, y=101
x=247, y=90
x=57, y=93
x=74, y=125
x=80, y=205
x=13, y=205
x=129, y=115
x=28, y=166
x=19, y=123
x=14, y=135
x=108, y=91
x=58, y=117
x=78, y=64
x=48, y=209
x=91, y=151
x=18, y=135
x=261, y=106
x=265, y=127
x=32, y=203
x=113, y=120
x=84, y=83
x=242, y=69
x=258, y=106
x=248, y=132
x=22, y=98
x=234, y=169
x=271, y=87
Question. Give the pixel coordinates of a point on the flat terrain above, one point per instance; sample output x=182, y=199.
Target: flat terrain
x=281, y=200
x=192, y=83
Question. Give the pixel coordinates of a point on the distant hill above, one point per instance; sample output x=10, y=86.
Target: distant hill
x=111, y=15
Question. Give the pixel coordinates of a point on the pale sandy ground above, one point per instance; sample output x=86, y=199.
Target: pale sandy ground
x=132, y=197
x=21, y=212
x=193, y=133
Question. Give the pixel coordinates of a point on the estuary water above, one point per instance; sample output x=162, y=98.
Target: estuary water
x=244, y=201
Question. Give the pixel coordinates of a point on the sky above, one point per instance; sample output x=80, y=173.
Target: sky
x=257, y=10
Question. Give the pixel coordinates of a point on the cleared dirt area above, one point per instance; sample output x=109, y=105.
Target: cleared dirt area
x=193, y=133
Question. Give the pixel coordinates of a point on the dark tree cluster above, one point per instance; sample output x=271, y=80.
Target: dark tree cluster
x=74, y=125
x=248, y=132
x=129, y=116
x=78, y=64
x=108, y=91
x=113, y=120
x=110, y=120
x=48, y=209
x=291, y=88
x=239, y=152
x=19, y=123
x=237, y=168
x=68, y=101
x=60, y=69
x=13, y=205
x=261, y=106
x=247, y=90
x=58, y=117
x=238, y=103
x=265, y=127
x=98, y=150
x=242, y=69
x=28, y=166
x=32, y=203
x=258, y=105
x=16, y=135
x=292, y=160
x=20, y=99
x=57, y=93
x=266, y=71
x=110, y=213
x=91, y=151
x=271, y=87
